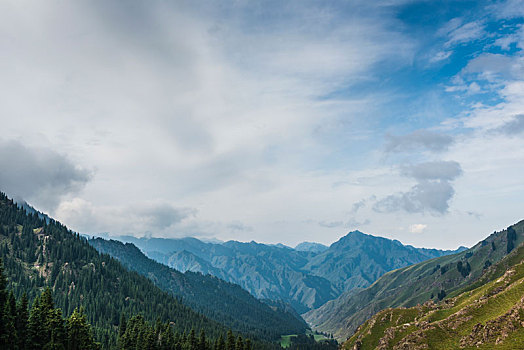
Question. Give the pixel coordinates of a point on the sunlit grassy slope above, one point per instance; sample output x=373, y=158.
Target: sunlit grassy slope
x=488, y=314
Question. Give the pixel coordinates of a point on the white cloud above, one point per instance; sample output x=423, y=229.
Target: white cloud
x=458, y=32
x=417, y=228
x=440, y=56
x=241, y=117
x=208, y=108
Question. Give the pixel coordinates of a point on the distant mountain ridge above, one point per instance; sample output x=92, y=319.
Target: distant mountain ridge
x=221, y=301
x=311, y=247
x=405, y=287
x=306, y=278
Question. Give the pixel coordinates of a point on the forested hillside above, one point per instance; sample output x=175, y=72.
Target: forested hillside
x=224, y=302
x=42, y=326
x=39, y=254
x=434, y=279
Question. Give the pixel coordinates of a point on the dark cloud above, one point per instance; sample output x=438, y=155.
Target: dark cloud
x=439, y=170
x=239, y=226
x=159, y=216
x=513, y=127
x=357, y=206
x=331, y=224
x=431, y=194
x=474, y=214
x=41, y=176
x=353, y=223
x=418, y=140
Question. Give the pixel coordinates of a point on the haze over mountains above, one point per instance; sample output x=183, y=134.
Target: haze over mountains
x=306, y=277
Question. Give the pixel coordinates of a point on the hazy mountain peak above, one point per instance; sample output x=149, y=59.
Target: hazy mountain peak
x=310, y=247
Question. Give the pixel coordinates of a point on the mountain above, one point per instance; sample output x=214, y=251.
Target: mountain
x=221, y=301
x=310, y=247
x=39, y=253
x=488, y=314
x=406, y=287
x=358, y=259
x=304, y=279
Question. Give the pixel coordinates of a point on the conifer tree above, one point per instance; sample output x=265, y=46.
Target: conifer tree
x=192, y=341
x=79, y=334
x=122, y=325
x=22, y=316
x=202, y=341
x=231, y=343
x=36, y=331
x=3, y=301
x=240, y=343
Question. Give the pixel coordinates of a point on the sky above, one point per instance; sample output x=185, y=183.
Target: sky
x=273, y=121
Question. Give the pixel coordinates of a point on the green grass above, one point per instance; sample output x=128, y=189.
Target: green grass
x=488, y=301
x=285, y=340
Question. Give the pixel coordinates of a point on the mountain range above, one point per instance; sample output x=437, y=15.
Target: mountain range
x=221, y=301
x=385, y=295
x=486, y=314
x=433, y=279
x=306, y=277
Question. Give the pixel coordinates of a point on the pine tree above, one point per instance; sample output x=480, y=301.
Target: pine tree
x=22, y=316
x=56, y=329
x=240, y=343
x=9, y=322
x=36, y=330
x=79, y=336
x=192, y=340
x=202, y=341
x=231, y=343
x=122, y=325
x=3, y=301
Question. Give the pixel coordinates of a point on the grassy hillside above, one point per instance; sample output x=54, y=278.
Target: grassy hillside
x=486, y=315
x=221, y=301
x=430, y=280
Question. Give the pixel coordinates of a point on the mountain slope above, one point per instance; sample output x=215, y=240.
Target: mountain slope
x=415, y=284
x=358, y=259
x=486, y=315
x=224, y=302
x=305, y=279
x=39, y=254
x=267, y=272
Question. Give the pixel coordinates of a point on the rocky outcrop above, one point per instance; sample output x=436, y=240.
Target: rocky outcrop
x=496, y=330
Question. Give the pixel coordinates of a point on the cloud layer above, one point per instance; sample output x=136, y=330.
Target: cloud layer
x=431, y=194
x=40, y=175
x=418, y=140
x=285, y=121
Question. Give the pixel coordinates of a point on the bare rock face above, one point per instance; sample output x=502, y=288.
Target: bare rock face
x=414, y=341
x=357, y=346
x=389, y=335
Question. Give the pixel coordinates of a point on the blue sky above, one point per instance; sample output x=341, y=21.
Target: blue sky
x=270, y=121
